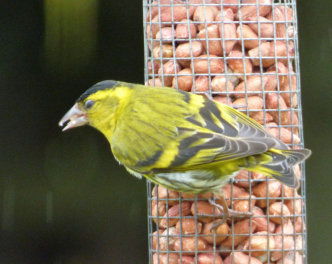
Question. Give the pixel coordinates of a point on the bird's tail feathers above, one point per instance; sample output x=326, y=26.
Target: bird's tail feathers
x=281, y=165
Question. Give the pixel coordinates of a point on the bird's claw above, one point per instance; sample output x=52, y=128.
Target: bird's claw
x=225, y=213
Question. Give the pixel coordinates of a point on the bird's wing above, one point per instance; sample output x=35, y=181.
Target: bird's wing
x=219, y=133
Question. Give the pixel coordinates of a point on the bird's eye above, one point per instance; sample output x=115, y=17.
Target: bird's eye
x=89, y=103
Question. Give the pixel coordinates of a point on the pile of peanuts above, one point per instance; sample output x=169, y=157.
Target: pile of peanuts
x=241, y=53
x=273, y=234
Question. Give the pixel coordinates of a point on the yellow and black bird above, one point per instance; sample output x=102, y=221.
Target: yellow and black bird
x=182, y=141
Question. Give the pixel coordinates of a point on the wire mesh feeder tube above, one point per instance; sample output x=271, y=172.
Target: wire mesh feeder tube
x=244, y=54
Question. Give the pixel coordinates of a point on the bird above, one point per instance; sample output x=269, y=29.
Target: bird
x=182, y=141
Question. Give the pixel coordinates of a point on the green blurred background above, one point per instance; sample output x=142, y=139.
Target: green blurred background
x=63, y=198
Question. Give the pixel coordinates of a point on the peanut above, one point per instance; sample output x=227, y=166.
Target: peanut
x=273, y=101
x=264, y=27
x=186, y=50
x=227, y=31
x=208, y=64
x=241, y=258
x=238, y=65
x=168, y=71
x=170, y=258
x=271, y=49
x=230, y=192
x=174, y=213
x=166, y=239
x=245, y=203
x=292, y=258
x=284, y=241
x=153, y=66
x=260, y=243
x=284, y=134
x=165, y=51
x=294, y=205
x=252, y=103
x=241, y=228
x=211, y=46
x=245, y=32
x=158, y=210
x=189, y=245
x=254, y=85
x=264, y=7
x=187, y=260
x=201, y=84
x=209, y=258
x=184, y=80
x=281, y=14
x=221, y=233
x=176, y=13
x=261, y=221
x=299, y=225
x=155, y=82
x=165, y=35
x=261, y=117
x=154, y=10
x=202, y=207
x=185, y=30
x=205, y=15
x=272, y=189
x=189, y=226
x=242, y=179
x=162, y=193
x=278, y=212
x=221, y=84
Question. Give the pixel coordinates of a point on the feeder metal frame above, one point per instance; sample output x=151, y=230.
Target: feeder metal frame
x=147, y=22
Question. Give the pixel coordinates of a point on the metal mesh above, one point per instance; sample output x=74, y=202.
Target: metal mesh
x=251, y=62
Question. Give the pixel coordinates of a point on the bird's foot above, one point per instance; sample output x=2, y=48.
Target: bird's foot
x=225, y=212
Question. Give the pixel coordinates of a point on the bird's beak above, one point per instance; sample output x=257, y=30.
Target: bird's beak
x=73, y=118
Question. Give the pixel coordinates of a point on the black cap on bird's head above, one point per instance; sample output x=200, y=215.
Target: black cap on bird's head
x=77, y=115
x=103, y=85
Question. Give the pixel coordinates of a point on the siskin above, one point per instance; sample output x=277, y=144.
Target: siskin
x=182, y=141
